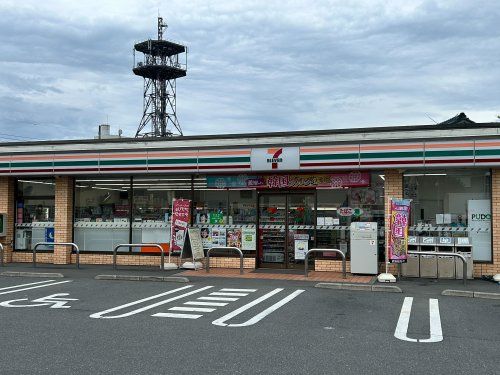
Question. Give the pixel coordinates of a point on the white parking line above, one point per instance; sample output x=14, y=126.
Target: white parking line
x=436, y=333
x=178, y=316
x=199, y=303
x=192, y=309
x=21, y=285
x=218, y=299
x=229, y=294
x=36, y=287
x=99, y=315
x=238, y=290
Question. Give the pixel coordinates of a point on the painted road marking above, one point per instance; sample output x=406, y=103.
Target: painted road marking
x=178, y=316
x=260, y=316
x=21, y=285
x=218, y=299
x=47, y=283
x=199, y=303
x=436, y=333
x=238, y=290
x=100, y=315
x=192, y=309
x=228, y=294
x=54, y=301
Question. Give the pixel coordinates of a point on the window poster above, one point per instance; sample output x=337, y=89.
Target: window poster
x=234, y=237
x=248, y=239
x=218, y=237
x=301, y=245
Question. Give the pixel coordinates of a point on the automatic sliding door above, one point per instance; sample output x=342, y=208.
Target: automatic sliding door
x=272, y=230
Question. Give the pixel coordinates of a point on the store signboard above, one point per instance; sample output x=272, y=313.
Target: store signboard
x=479, y=218
x=301, y=245
x=181, y=209
x=398, y=235
x=291, y=181
x=196, y=243
x=275, y=158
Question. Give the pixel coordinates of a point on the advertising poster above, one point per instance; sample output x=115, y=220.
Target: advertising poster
x=206, y=237
x=218, y=237
x=248, y=239
x=196, y=243
x=181, y=209
x=398, y=236
x=301, y=245
x=234, y=238
x=216, y=217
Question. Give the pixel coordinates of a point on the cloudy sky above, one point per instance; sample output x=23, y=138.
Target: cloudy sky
x=253, y=66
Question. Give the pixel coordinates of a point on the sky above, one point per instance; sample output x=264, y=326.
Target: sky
x=253, y=66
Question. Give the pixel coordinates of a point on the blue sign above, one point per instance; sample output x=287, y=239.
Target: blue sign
x=49, y=234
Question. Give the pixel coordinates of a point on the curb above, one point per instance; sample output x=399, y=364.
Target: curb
x=361, y=287
x=470, y=294
x=31, y=274
x=175, y=279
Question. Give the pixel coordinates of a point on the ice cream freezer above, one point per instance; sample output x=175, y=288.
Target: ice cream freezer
x=412, y=266
x=428, y=263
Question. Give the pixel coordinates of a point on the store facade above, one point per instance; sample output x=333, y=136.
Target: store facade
x=272, y=195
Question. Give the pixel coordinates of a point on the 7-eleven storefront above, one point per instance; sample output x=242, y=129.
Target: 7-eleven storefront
x=274, y=195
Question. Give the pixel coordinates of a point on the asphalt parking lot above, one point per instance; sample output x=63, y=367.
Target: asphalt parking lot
x=79, y=325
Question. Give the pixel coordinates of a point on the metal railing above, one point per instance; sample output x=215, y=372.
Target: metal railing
x=73, y=245
x=1, y=255
x=306, y=258
x=437, y=253
x=139, y=245
x=225, y=248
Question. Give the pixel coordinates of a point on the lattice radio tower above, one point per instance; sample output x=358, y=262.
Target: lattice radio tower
x=160, y=68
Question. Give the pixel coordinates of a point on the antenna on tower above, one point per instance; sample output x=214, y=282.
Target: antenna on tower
x=160, y=68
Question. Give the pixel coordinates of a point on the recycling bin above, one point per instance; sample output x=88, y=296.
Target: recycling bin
x=428, y=263
x=463, y=246
x=446, y=264
x=412, y=266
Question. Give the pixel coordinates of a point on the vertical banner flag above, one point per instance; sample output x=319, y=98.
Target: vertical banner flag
x=181, y=210
x=398, y=235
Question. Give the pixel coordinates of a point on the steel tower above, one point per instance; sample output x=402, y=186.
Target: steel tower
x=160, y=68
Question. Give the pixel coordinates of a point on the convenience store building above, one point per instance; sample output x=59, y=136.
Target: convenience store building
x=263, y=192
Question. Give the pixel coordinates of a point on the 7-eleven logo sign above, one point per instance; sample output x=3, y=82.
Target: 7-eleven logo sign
x=275, y=157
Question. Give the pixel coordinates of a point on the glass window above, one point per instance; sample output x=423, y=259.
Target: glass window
x=102, y=213
x=152, y=208
x=35, y=212
x=210, y=205
x=242, y=207
x=339, y=207
x=453, y=198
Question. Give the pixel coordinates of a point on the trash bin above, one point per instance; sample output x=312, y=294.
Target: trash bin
x=428, y=263
x=412, y=266
x=446, y=264
x=463, y=246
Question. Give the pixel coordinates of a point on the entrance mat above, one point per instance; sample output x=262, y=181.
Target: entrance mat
x=287, y=271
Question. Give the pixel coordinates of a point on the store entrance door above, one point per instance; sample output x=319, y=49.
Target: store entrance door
x=286, y=228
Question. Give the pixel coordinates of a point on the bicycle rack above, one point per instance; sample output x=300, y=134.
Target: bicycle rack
x=1, y=255
x=306, y=265
x=74, y=245
x=139, y=245
x=464, y=261
x=225, y=248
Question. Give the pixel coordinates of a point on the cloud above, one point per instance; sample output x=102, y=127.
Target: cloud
x=255, y=66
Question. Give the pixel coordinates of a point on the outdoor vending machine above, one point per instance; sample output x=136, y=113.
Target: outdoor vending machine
x=364, y=255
